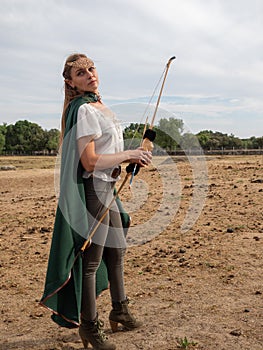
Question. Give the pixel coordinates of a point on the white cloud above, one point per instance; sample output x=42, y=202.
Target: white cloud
x=218, y=45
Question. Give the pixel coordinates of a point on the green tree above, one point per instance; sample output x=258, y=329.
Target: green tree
x=52, y=139
x=25, y=137
x=215, y=140
x=260, y=142
x=169, y=133
x=189, y=142
x=2, y=137
x=254, y=142
x=203, y=138
x=133, y=135
x=234, y=142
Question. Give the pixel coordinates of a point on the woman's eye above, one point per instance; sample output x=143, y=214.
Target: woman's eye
x=80, y=73
x=91, y=69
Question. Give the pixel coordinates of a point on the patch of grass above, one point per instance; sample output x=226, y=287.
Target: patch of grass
x=230, y=268
x=29, y=162
x=240, y=227
x=184, y=343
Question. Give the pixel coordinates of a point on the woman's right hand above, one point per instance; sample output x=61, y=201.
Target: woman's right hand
x=140, y=156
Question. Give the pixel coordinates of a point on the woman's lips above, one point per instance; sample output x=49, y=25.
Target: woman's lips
x=92, y=82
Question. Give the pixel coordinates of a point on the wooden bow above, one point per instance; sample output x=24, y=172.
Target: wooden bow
x=147, y=142
x=132, y=169
x=149, y=134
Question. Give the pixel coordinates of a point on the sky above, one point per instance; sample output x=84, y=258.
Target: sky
x=215, y=83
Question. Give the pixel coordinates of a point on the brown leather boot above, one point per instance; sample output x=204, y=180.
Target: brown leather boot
x=92, y=332
x=121, y=314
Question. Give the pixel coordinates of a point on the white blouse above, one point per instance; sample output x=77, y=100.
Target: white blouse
x=105, y=130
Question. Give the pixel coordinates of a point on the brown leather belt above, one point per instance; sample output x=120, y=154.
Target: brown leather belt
x=116, y=172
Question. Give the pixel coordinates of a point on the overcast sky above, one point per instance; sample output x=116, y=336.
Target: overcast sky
x=215, y=83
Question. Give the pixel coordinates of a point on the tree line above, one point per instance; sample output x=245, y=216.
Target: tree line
x=170, y=136
x=25, y=137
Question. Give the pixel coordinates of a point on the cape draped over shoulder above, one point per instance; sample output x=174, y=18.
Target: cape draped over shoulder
x=63, y=285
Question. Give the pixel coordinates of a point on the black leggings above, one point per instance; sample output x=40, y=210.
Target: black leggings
x=108, y=241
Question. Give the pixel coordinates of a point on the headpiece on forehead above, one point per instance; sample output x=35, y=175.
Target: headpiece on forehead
x=82, y=62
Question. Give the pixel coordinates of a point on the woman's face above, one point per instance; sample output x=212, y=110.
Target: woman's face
x=84, y=78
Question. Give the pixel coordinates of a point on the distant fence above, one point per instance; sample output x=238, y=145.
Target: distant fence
x=179, y=152
x=223, y=151
x=31, y=153
x=235, y=151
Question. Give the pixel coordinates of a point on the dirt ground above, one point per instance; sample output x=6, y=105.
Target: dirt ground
x=199, y=288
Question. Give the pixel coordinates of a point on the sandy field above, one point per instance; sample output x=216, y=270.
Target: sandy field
x=193, y=266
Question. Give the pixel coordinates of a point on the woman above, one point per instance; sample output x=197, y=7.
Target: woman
x=91, y=157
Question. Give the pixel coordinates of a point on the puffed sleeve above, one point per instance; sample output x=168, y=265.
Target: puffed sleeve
x=88, y=123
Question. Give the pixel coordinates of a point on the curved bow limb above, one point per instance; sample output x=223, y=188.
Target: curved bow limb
x=149, y=134
x=149, y=137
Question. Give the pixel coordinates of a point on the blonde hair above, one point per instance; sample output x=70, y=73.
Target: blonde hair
x=70, y=92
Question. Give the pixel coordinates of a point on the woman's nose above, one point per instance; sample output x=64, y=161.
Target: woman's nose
x=89, y=72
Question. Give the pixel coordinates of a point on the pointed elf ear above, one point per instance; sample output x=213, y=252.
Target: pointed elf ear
x=69, y=82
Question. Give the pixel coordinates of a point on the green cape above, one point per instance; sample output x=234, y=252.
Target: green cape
x=63, y=285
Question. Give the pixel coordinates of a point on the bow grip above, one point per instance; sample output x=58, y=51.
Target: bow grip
x=150, y=135
x=130, y=168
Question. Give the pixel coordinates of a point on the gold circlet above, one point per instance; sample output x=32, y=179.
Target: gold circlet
x=82, y=62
